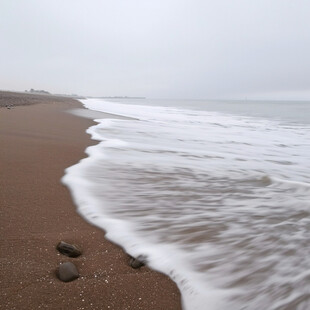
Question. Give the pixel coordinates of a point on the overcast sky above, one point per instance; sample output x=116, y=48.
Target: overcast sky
x=157, y=48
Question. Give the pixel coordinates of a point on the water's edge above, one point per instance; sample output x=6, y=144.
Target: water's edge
x=192, y=296
x=213, y=200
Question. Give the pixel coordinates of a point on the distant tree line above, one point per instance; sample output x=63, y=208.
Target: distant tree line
x=36, y=91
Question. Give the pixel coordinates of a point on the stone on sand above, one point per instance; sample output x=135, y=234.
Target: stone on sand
x=137, y=262
x=68, y=249
x=67, y=272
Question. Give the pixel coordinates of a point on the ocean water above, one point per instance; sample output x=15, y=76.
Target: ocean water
x=215, y=194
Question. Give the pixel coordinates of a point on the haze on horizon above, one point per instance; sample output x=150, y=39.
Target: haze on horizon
x=159, y=49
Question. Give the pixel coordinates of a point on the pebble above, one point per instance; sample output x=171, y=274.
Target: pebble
x=68, y=249
x=67, y=272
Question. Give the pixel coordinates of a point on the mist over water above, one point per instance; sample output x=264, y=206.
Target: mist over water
x=215, y=194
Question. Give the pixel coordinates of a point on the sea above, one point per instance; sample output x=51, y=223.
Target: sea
x=215, y=194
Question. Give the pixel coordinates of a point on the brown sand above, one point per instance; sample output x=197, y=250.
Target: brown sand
x=8, y=98
x=37, y=143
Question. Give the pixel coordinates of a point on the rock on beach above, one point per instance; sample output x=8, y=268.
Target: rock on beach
x=67, y=272
x=68, y=249
x=137, y=262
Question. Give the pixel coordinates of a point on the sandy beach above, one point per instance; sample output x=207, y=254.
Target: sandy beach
x=38, y=141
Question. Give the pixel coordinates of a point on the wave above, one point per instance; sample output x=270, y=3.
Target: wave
x=214, y=207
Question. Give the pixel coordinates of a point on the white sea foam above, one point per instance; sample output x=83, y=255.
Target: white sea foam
x=214, y=200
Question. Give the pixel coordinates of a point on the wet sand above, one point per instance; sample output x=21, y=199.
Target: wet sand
x=38, y=141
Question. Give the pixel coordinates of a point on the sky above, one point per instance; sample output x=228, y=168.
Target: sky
x=190, y=49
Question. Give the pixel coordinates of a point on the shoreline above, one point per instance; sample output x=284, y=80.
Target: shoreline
x=38, y=142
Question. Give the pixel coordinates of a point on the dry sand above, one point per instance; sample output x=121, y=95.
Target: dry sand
x=37, y=142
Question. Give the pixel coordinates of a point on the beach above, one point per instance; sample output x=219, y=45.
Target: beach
x=38, y=142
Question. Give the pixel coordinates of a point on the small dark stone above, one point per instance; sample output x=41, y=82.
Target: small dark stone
x=67, y=272
x=68, y=249
x=137, y=262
